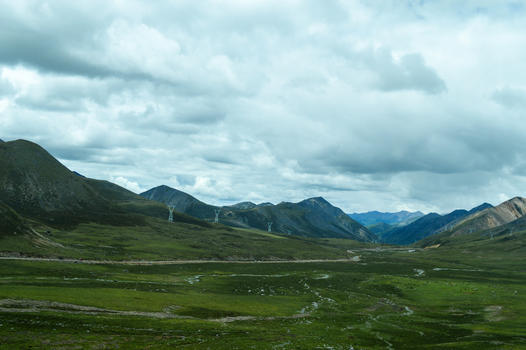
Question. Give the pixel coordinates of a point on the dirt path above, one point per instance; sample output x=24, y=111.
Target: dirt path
x=175, y=262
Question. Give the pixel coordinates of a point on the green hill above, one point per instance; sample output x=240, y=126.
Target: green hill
x=11, y=223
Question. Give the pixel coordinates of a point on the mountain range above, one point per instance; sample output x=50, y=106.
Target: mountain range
x=36, y=189
x=427, y=225
x=33, y=184
x=399, y=218
x=313, y=217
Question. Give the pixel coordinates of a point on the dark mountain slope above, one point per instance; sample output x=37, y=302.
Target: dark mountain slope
x=314, y=217
x=181, y=201
x=37, y=186
x=11, y=222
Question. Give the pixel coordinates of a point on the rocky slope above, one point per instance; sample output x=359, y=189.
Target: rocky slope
x=502, y=214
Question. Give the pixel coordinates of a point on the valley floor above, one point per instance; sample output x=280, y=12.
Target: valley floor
x=389, y=299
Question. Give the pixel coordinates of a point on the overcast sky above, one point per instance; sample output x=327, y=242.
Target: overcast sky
x=385, y=105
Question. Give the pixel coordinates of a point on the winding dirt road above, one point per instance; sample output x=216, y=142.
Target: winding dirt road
x=176, y=262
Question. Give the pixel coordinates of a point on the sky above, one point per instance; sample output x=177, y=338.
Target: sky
x=374, y=105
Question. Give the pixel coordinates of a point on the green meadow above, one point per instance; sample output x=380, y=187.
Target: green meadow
x=388, y=299
x=157, y=239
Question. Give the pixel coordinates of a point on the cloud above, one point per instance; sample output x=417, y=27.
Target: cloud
x=130, y=185
x=409, y=72
x=374, y=105
x=510, y=97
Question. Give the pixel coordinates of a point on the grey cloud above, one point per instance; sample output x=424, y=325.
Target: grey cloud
x=510, y=97
x=184, y=179
x=74, y=153
x=220, y=158
x=43, y=53
x=409, y=73
x=5, y=88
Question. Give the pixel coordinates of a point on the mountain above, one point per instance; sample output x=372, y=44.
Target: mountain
x=491, y=217
x=46, y=210
x=181, y=201
x=11, y=223
x=313, y=217
x=427, y=225
x=510, y=237
x=264, y=204
x=380, y=228
x=374, y=217
x=244, y=205
x=35, y=185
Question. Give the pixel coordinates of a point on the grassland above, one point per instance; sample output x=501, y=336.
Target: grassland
x=159, y=240
x=389, y=299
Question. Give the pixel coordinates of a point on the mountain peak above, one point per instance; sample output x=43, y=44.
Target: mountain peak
x=317, y=200
x=480, y=207
x=516, y=199
x=244, y=205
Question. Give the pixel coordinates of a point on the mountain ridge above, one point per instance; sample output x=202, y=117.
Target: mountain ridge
x=312, y=217
x=36, y=185
x=402, y=217
x=427, y=225
x=502, y=214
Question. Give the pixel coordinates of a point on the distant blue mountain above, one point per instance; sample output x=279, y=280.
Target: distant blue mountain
x=374, y=217
x=427, y=225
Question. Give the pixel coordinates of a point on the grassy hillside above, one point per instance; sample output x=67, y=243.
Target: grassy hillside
x=158, y=239
x=10, y=222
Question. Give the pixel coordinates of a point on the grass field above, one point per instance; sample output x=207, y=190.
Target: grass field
x=160, y=240
x=389, y=299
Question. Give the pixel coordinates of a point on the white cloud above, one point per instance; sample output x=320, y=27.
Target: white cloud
x=130, y=185
x=375, y=105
